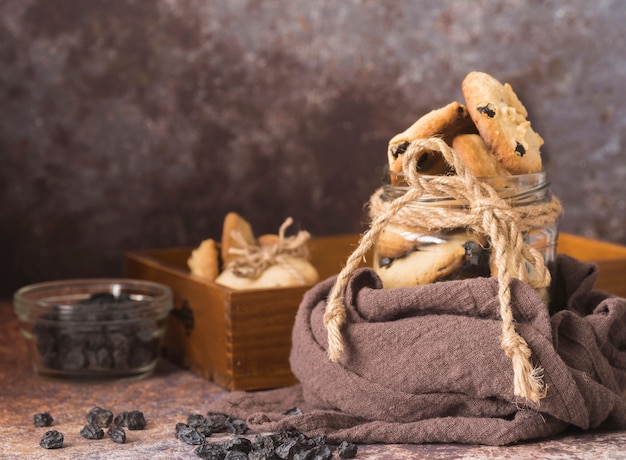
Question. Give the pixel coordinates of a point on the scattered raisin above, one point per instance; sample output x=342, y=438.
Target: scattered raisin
x=235, y=425
x=201, y=424
x=316, y=453
x=189, y=435
x=133, y=420
x=43, y=419
x=52, y=440
x=347, y=449
x=117, y=434
x=287, y=449
x=92, y=432
x=210, y=452
x=259, y=455
x=519, y=149
x=100, y=417
x=239, y=444
x=487, y=110
x=216, y=422
x=285, y=445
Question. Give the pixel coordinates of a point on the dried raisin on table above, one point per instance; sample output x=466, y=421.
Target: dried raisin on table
x=210, y=452
x=260, y=455
x=133, y=420
x=321, y=452
x=236, y=455
x=216, y=422
x=189, y=435
x=43, y=419
x=287, y=449
x=52, y=440
x=92, y=432
x=200, y=423
x=136, y=420
x=235, y=425
x=347, y=449
x=117, y=434
x=238, y=443
x=100, y=417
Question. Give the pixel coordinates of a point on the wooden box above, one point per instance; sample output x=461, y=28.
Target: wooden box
x=241, y=339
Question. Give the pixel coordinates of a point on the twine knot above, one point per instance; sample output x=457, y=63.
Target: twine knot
x=254, y=259
x=482, y=211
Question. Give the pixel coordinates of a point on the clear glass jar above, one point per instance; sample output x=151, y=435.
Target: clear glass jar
x=408, y=256
x=93, y=328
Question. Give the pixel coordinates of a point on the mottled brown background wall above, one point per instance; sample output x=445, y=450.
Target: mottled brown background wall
x=136, y=124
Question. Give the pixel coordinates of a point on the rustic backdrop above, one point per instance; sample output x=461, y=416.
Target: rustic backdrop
x=139, y=124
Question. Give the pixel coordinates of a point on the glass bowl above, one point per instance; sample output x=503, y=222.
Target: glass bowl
x=93, y=328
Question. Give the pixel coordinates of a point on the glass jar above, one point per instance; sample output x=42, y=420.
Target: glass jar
x=93, y=328
x=407, y=256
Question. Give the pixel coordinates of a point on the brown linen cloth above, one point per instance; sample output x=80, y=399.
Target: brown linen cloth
x=424, y=364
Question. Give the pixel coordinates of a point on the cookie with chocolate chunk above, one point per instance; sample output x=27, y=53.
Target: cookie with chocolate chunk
x=476, y=156
x=427, y=260
x=445, y=122
x=502, y=122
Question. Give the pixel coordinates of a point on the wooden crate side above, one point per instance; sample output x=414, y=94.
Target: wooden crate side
x=609, y=257
x=260, y=333
x=589, y=250
x=612, y=276
x=201, y=348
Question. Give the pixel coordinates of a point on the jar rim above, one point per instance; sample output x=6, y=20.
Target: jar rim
x=543, y=174
x=518, y=188
x=148, y=298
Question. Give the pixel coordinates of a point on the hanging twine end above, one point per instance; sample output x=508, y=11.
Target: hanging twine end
x=527, y=379
x=334, y=317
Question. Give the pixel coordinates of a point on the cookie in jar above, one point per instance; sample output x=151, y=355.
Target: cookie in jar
x=476, y=200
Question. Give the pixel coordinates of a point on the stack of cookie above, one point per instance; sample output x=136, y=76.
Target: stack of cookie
x=493, y=138
x=491, y=133
x=242, y=261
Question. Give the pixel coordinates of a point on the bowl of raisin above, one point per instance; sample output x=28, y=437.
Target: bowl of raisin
x=93, y=328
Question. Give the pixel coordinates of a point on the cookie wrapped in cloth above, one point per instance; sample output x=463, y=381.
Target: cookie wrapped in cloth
x=424, y=364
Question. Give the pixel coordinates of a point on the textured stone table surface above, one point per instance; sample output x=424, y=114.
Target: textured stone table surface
x=168, y=396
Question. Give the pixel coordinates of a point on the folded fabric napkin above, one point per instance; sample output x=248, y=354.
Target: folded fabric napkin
x=424, y=364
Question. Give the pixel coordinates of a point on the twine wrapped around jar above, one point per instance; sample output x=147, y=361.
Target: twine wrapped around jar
x=483, y=212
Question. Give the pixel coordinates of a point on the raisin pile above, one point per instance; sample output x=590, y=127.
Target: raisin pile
x=286, y=445
x=120, y=341
x=97, y=420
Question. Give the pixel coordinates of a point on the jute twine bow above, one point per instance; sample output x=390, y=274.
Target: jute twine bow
x=254, y=259
x=484, y=212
